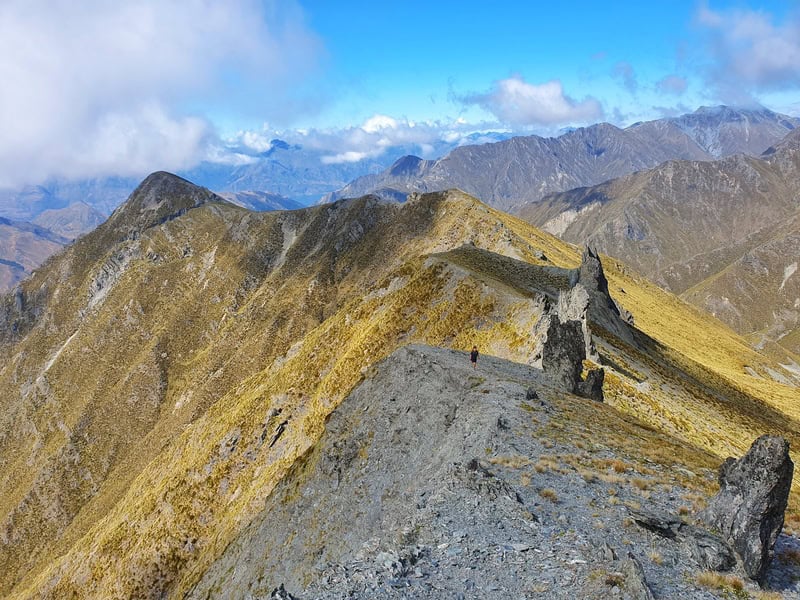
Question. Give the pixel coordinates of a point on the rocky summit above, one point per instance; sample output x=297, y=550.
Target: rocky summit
x=203, y=401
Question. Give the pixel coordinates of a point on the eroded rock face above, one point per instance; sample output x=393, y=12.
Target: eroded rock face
x=709, y=550
x=602, y=310
x=592, y=387
x=749, y=508
x=563, y=353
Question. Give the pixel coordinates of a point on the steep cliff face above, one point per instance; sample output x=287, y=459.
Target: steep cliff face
x=166, y=372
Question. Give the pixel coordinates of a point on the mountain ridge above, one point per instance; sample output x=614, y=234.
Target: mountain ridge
x=684, y=223
x=164, y=360
x=524, y=169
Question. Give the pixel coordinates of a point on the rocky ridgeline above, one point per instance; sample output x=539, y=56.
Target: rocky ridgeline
x=436, y=481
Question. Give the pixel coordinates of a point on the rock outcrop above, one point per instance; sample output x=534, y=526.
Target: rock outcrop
x=566, y=337
x=622, y=579
x=709, y=550
x=563, y=353
x=749, y=508
x=601, y=308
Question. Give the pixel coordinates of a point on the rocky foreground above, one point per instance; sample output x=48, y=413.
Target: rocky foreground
x=434, y=480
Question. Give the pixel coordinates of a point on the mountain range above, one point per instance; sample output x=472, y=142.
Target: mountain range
x=524, y=169
x=519, y=169
x=725, y=234
x=205, y=401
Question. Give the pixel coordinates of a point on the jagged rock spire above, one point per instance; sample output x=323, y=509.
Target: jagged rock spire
x=592, y=277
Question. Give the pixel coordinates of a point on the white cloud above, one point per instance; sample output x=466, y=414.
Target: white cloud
x=96, y=87
x=517, y=102
x=378, y=123
x=345, y=157
x=373, y=138
x=750, y=52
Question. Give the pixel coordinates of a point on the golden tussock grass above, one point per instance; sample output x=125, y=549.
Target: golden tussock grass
x=245, y=339
x=725, y=583
x=549, y=494
x=512, y=462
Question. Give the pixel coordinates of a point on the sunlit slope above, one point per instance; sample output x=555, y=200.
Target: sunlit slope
x=143, y=324
x=163, y=395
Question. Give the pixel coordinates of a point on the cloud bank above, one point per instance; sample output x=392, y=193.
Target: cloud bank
x=750, y=53
x=94, y=87
x=371, y=139
x=516, y=102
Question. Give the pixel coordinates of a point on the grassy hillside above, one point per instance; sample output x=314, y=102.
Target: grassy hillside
x=162, y=353
x=725, y=235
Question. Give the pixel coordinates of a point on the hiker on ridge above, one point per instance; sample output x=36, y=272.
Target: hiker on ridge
x=473, y=357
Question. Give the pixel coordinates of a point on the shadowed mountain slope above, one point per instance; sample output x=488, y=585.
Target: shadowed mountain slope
x=71, y=221
x=23, y=247
x=724, y=233
x=164, y=373
x=260, y=201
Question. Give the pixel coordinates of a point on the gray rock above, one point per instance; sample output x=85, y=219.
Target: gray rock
x=280, y=593
x=623, y=580
x=749, y=508
x=592, y=388
x=602, y=310
x=563, y=351
x=709, y=550
x=664, y=524
x=635, y=583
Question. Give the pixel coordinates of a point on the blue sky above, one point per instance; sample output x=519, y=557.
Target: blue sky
x=122, y=88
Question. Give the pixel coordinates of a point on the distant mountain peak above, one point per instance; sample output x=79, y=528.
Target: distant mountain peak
x=160, y=197
x=405, y=165
x=278, y=144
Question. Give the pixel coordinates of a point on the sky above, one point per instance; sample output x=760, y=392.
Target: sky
x=103, y=87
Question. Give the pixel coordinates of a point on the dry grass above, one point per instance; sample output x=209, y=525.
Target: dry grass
x=725, y=583
x=790, y=556
x=618, y=466
x=766, y=595
x=655, y=557
x=549, y=494
x=511, y=462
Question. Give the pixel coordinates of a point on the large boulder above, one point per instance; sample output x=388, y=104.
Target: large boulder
x=749, y=508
